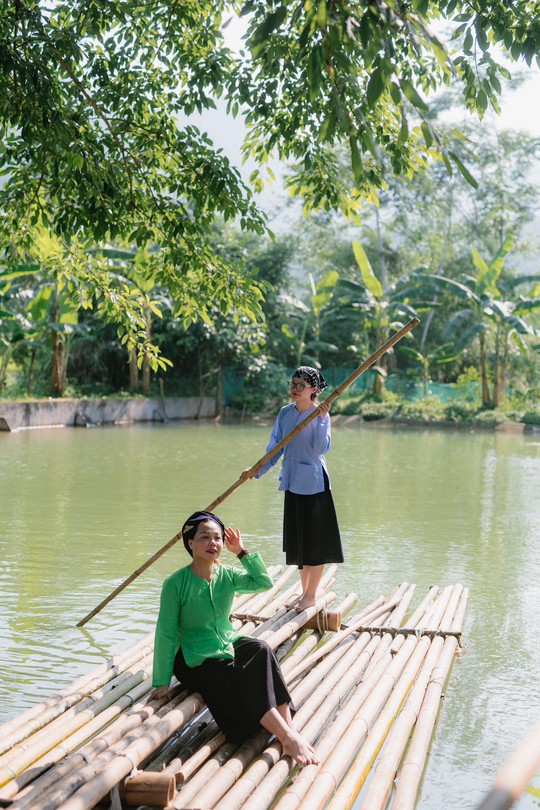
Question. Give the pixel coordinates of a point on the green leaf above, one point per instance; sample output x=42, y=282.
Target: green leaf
x=463, y=169
x=372, y=283
x=411, y=93
x=375, y=86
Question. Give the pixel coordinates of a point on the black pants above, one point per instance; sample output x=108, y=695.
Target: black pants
x=238, y=692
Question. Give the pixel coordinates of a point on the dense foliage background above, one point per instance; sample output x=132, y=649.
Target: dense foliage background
x=135, y=256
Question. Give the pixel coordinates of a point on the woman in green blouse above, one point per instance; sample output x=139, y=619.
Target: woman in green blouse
x=239, y=677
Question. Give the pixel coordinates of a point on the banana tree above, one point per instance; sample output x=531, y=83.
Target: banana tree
x=493, y=315
x=382, y=308
x=443, y=354
x=315, y=319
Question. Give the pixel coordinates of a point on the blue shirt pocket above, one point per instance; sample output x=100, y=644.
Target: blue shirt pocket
x=307, y=478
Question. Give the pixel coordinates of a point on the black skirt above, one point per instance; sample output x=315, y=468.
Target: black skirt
x=310, y=529
x=238, y=692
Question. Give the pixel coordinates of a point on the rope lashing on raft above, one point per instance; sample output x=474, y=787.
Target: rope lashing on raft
x=322, y=618
x=116, y=801
x=407, y=631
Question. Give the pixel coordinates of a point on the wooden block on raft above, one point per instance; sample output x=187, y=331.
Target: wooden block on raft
x=149, y=789
x=324, y=621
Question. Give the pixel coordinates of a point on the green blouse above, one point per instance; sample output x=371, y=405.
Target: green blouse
x=194, y=614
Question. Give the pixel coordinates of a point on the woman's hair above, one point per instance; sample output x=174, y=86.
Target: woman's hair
x=313, y=377
x=189, y=528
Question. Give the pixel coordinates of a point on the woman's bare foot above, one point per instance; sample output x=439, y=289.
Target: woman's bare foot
x=292, y=602
x=305, y=602
x=299, y=750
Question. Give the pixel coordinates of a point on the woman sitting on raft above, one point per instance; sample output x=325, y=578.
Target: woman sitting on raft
x=239, y=677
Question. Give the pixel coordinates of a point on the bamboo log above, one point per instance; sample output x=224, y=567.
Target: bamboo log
x=182, y=770
x=256, y=467
x=377, y=614
x=211, y=794
x=106, y=778
x=56, y=787
x=38, y=716
x=351, y=785
x=117, y=733
x=205, y=787
x=383, y=778
x=314, y=714
x=75, y=740
x=197, y=733
x=147, y=787
x=324, y=621
x=369, y=697
x=21, y=756
x=310, y=720
x=515, y=775
x=412, y=769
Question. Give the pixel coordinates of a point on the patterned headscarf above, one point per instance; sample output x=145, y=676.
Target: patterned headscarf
x=311, y=376
x=190, y=527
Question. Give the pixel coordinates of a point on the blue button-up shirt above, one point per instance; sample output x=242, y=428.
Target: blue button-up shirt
x=304, y=464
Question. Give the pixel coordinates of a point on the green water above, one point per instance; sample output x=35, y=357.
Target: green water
x=81, y=509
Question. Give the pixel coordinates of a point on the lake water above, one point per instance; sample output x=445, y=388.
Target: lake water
x=81, y=509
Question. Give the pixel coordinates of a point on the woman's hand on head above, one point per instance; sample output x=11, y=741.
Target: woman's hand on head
x=233, y=540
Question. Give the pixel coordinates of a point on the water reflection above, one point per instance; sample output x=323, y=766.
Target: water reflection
x=81, y=509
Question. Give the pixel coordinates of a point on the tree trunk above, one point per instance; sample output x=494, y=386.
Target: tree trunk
x=380, y=251
x=219, y=395
x=4, y=362
x=496, y=371
x=30, y=383
x=133, y=371
x=503, y=367
x=486, y=399
x=146, y=370
x=58, y=364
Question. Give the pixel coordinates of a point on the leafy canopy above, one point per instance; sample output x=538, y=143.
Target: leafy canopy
x=95, y=148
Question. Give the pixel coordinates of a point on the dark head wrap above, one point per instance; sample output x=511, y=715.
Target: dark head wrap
x=311, y=376
x=190, y=527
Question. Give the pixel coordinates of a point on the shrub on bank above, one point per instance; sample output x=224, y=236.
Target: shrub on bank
x=431, y=409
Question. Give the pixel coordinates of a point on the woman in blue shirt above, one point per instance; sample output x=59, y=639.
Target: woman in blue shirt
x=310, y=529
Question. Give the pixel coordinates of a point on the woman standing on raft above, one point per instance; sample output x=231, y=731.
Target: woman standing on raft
x=310, y=529
x=238, y=677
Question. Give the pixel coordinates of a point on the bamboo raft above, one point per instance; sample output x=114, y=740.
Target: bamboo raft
x=367, y=691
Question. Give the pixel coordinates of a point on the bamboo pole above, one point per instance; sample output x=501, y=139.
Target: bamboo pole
x=75, y=740
x=22, y=756
x=350, y=729
x=222, y=783
x=66, y=777
x=516, y=774
x=311, y=718
x=149, y=787
x=98, y=778
x=383, y=778
x=412, y=769
x=38, y=716
x=257, y=466
x=356, y=775
x=313, y=715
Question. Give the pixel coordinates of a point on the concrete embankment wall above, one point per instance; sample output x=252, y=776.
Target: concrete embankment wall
x=82, y=412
